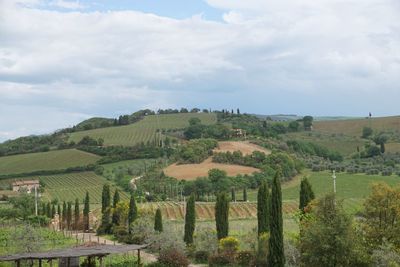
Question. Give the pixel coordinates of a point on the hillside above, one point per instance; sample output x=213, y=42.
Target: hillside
x=144, y=130
x=68, y=187
x=354, y=127
x=44, y=161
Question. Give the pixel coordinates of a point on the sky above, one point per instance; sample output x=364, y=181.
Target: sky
x=65, y=61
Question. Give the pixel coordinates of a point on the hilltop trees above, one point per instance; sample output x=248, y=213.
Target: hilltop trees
x=308, y=122
x=276, y=256
x=222, y=215
x=190, y=220
x=306, y=194
x=263, y=208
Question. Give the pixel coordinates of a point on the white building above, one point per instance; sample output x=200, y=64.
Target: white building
x=25, y=186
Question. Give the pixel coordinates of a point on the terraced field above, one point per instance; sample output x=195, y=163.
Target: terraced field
x=205, y=210
x=70, y=186
x=144, y=130
x=52, y=160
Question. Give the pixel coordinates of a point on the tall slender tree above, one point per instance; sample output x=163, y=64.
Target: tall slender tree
x=306, y=194
x=69, y=215
x=53, y=210
x=59, y=209
x=76, y=214
x=48, y=210
x=190, y=220
x=86, y=210
x=64, y=212
x=222, y=215
x=43, y=209
x=233, y=194
x=263, y=205
x=105, y=198
x=245, y=194
x=115, y=215
x=158, y=225
x=133, y=212
x=276, y=256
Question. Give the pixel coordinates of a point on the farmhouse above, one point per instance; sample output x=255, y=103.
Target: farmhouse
x=238, y=132
x=26, y=186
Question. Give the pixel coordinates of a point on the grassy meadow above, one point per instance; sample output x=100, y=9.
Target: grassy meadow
x=43, y=161
x=144, y=130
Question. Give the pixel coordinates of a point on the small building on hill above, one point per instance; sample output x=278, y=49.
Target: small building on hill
x=25, y=186
x=237, y=132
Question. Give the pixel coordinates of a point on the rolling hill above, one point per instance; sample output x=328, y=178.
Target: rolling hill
x=44, y=161
x=144, y=130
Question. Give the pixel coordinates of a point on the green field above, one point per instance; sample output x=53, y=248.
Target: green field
x=43, y=161
x=70, y=186
x=351, y=188
x=354, y=127
x=144, y=130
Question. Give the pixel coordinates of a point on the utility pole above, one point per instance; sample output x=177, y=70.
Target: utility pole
x=334, y=181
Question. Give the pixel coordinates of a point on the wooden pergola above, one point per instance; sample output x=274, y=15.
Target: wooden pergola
x=91, y=252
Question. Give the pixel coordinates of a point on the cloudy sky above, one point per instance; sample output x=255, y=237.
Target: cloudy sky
x=64, y=61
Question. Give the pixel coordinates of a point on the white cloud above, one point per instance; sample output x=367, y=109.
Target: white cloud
x=119, y=61
x=67, y=4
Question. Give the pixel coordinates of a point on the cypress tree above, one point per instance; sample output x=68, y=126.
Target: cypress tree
x=69, y=215
x=48, y=210
x=158, y=226
x=276, y=256
x=263, y=208
x=76, y=214
x=43, y=209
x=222, y=215
x=64, y=214
x=53, y=210
x=115, y=215
x=133, y=212
x=105, y=198
x=116, y=198
x=190, y=220
x=233, y=194
x=59, y=209
x=245, y=194
x=306, y=194
x=86, y=210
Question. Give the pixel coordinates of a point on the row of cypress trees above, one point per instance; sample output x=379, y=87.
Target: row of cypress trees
x=68, y=221
x=110, y=214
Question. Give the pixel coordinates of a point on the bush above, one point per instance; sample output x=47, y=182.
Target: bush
x=221, y=259
x=229, y=244
x=245, y=258
x=201, y=256
x=173, y=258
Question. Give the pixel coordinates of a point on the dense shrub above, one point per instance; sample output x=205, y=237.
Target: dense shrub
x=245, y=258
x=201, y=256
x=229, y=244
x=173, y=258
x=195, y=151
x=221, y=259
x=309, y=148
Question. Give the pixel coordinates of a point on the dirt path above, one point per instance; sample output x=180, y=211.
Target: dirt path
x=92, y=237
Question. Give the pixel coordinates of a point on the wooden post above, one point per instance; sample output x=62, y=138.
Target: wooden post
x=51, y=263
x=40, y=262
x=18, y=262
x=138, y=258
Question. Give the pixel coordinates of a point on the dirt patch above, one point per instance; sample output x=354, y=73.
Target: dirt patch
x=245, y=147
x=192, y=171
